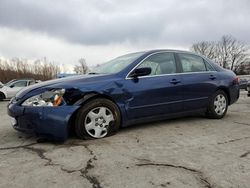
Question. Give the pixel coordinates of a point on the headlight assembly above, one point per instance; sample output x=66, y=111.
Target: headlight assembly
x=48, y=98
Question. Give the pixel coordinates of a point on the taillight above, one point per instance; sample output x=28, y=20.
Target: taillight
x=236, y=80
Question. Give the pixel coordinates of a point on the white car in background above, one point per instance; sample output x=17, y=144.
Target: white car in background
x=9, y=90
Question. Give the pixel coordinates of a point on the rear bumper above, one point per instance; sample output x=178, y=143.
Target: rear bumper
x=48, y=122
x=234, y=93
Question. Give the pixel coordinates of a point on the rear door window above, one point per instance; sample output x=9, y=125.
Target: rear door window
x=192, y=63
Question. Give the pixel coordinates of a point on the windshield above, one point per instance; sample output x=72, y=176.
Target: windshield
x=116, y=65
x=10, y=82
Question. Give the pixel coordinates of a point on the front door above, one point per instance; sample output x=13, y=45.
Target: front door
x=158, y=93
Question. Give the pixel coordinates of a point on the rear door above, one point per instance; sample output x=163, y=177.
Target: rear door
x=199, y=81
x=158, y=93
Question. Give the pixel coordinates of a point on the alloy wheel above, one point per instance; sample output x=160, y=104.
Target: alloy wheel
x=220, y=104
x=97, y=121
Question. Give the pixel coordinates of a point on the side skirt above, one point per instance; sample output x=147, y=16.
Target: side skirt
x=164, y=117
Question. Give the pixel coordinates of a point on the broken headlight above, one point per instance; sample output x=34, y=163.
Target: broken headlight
x=47, y=98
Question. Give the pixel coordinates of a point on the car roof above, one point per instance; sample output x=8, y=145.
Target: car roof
x=172, y=50
x=177, y=51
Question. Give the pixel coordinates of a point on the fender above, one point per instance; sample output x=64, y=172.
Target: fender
x=91, y=95
x=85, y=98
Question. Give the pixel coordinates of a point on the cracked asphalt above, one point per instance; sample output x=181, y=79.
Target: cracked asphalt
x=186, y=152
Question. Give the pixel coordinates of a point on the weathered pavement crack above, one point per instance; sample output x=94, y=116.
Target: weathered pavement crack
x=245, y=154
x=18, y=147
x=84, y=171
x=93, y=180
x=40, y=152
x=241, y=123
x=234, y=140
x=200, y=174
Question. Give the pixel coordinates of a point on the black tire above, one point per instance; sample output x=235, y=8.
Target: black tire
x=2, y=96
x=211, y=111
x=80, y=129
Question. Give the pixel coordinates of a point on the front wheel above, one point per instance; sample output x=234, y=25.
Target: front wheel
x=97, y=119
x=2, y=96
x=218, y=105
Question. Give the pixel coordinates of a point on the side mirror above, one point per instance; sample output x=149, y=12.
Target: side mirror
x=140, y=72
x=11, y=86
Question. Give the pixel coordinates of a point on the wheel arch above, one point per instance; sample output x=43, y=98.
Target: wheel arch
x=3, y=94
x=87, y=98
x=226, y=90
x=91, y=96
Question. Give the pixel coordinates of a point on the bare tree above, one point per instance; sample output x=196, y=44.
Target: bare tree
x=238, y=53
x=82, y=68
x=205, y=48
x=243, y=68
x=229, y=52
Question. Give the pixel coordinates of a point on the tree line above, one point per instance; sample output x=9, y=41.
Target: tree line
x=228, y=52
x=40, y=69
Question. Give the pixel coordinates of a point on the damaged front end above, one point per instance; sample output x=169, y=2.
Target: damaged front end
x=47, y=114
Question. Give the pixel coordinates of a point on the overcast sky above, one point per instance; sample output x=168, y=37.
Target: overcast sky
x=98, y=30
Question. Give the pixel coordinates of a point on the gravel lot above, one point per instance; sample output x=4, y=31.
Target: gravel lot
x=187, y=152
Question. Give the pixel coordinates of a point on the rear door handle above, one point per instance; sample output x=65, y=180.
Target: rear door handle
x=212, y=77
x=175, y=81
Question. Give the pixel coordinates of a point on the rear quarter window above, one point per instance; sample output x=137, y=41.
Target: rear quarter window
x=31, y=82
x=208, y=66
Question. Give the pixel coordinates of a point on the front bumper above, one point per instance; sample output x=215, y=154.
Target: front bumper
x=50, y=122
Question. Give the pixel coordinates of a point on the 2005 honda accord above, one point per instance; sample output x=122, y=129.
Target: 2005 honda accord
x=138, y=87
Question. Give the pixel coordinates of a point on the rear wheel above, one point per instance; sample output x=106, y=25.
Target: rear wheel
x=97, y=119
x=218, y=105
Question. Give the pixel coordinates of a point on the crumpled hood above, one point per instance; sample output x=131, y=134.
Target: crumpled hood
x=62, y=83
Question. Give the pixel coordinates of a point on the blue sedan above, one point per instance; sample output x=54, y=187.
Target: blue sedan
x=134, y=88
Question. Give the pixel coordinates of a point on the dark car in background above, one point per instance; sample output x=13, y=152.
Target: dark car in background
x=133, y=88
x=243, y=83
x=248, y=88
